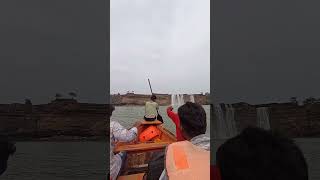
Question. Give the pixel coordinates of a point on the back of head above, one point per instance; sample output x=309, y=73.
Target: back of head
x=153, y=97
x=257, y=154
x=7, y=148
x=192, y=119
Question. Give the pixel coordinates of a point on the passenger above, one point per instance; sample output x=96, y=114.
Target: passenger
x=151, y=110
x=259, y=154
x=7, y=148
x=193, y=154
x=175, y=118
x=119, y=134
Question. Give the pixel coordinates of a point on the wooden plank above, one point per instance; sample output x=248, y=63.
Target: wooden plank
x=141, y=147
x=132, y=177
x=156, y=122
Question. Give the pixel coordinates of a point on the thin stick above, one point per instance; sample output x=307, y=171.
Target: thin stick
x=150, y=86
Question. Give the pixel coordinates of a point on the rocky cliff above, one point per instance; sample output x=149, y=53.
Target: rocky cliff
x=162, y=99
x=290, y=119
x=58, y=118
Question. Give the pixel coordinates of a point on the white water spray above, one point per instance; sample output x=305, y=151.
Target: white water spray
x=220, y=122
x=225, y=122
x=177, y=100
x=230, y=121
x=192, y=98
x=173, y=100
x=263, y=118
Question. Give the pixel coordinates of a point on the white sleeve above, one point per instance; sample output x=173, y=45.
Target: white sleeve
x=163, y=175
x=122, y=134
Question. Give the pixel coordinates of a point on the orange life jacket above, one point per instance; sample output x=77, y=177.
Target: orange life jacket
x=185, y=161
x=149, y=133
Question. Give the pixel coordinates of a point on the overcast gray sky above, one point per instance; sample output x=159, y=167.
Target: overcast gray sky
x=167, y=41
x=265, y=51
x=49, y=47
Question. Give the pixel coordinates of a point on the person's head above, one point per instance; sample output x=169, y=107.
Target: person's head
x=193, y=120
x=153, y=97
x=7, y=148
x=260, y=154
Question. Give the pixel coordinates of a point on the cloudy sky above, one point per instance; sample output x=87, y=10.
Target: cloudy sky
x=167, y=41
x=49, y=47
x=265, y=51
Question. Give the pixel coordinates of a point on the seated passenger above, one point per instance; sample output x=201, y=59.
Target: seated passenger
x=189, y=159
x=151, y=110
x=119, y=134
x=257, y=154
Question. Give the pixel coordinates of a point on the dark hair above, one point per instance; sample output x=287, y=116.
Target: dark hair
x=153, y=97
x=7, y=148
x=257, y=154
x=193, y=119
x=110, y=109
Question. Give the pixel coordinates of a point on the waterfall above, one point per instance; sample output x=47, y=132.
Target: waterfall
x=263, y=118
x=220, y=122
x=230, y=121
x=177, y=100
x=192, y=98
x=173, y=100
x=225, y=122
x=182, y=99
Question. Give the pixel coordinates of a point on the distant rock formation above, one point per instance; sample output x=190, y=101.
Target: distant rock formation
x=62, y=117
x=290, y=119
x=162, y=99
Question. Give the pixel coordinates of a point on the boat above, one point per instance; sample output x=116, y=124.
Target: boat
x=139, y=153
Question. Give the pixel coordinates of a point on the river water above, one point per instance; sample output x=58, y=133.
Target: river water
x=87, y=160
x=57, y=161
x=127, y=115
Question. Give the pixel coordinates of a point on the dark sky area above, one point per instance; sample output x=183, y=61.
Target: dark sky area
x=265, y=51
x=49, y=47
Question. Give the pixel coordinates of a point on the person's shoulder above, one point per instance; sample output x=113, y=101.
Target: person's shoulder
x=114, y=123
x=179, y=143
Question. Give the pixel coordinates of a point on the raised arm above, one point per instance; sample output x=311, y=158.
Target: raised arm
x=172, y=115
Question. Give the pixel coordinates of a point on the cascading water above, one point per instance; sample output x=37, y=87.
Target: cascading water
x=181, y=99
x=230, y=121
x=192, y=98
x=263, y=118
x=177, y=100
x=220, y=122
x=173, y=100
x=225, y=122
